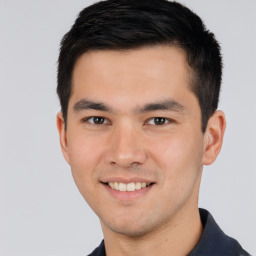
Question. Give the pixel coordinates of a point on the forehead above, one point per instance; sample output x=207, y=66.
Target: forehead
x=146, y=73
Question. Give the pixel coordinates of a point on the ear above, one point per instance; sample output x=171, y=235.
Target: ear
x=62, y=136
x=213, y=137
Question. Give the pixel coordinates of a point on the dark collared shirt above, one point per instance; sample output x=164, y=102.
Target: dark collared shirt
x=213, y=242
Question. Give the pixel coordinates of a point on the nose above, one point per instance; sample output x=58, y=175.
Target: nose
x=126, y=147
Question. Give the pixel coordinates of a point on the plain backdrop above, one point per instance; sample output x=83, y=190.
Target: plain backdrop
x=41, y=210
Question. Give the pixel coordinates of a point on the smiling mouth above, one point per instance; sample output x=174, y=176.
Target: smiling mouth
x=129, y=187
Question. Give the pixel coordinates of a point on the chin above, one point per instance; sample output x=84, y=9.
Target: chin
x=130, y=228
x=130, y=231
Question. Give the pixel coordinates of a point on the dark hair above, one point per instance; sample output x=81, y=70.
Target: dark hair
x=128, y=24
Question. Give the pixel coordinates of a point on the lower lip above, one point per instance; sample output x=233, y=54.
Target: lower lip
x=128, y=195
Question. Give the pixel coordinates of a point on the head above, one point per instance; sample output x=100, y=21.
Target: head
x=138, y=83
x=120, y=25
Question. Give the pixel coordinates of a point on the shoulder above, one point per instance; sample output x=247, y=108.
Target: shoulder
x=214, y=241
x=99, y=251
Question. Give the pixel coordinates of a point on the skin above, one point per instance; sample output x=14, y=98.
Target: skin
x=130, y=145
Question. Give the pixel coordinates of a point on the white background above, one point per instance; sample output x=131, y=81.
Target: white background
x=41, y=211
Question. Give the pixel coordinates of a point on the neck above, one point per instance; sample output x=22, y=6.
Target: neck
x=176, y=238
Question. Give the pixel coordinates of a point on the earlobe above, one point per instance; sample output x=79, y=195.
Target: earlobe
x=62, y=135
x=213, y=137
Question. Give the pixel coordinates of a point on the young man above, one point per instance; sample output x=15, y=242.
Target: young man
x=139, y=83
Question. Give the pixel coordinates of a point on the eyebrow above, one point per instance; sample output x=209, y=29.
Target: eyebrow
x=169, y=105
x=85, y=104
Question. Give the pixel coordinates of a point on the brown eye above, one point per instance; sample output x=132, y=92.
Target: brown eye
x=96, y=120
x=159, y=120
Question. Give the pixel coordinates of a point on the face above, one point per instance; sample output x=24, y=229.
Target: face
x=133, y=137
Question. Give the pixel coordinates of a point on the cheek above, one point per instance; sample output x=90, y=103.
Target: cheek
x=178, y=160
x=84, y=154
x=169, y=150
x=83, y=150
x=83, y=159
x=178, y=156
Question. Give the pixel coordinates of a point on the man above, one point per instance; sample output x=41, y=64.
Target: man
x=139, y=83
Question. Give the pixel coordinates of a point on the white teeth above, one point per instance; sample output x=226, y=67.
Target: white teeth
x=128, y=187
x=116, y=187
x=122, y=187
x=112, y=185
x=138, y=185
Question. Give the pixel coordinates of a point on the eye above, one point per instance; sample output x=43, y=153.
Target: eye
x=158, y=121
x=96, y=120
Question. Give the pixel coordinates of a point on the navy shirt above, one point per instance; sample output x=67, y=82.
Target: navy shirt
x=213, y=241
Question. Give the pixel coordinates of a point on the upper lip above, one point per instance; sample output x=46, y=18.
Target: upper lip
x=126, y=180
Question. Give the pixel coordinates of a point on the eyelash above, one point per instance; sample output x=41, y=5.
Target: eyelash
x=86, y=120
x=163, y=120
